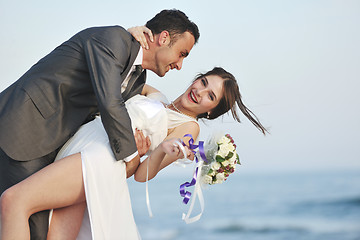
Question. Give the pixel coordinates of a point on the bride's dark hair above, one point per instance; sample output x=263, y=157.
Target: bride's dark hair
x=231, y=94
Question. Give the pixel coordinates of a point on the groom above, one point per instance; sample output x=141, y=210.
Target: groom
x=93, y=72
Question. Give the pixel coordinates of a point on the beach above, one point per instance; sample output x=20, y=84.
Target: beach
x=311, y=205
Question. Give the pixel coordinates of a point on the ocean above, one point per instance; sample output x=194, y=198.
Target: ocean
x=255, y=206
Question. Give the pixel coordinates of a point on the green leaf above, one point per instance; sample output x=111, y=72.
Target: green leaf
x=219, y=158
x=229, y=155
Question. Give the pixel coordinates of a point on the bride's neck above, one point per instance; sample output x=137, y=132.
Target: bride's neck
x=177, y=106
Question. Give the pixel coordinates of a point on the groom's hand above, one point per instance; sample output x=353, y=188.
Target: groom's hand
x=143, y=144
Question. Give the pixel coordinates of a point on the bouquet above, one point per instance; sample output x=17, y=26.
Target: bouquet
x=215, y=161
x=222, y=158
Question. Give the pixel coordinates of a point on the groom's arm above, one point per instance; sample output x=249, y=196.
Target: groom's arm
x=107, y=52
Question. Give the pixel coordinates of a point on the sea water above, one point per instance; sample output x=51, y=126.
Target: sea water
x=253, y=206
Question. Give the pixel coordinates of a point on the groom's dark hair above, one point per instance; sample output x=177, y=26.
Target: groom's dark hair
x=175, y=22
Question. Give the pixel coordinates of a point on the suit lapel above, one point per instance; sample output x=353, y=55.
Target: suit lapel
x=135, y=47
x=135, y=86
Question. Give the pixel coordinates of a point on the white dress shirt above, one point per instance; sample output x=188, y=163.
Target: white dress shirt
x=138, y=61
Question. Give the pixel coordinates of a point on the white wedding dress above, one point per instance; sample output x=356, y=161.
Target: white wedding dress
x=109, y=212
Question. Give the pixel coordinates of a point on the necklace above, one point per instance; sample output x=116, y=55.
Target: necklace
x=177, y=110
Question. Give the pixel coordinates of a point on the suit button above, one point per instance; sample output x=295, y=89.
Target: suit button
x=116, y=146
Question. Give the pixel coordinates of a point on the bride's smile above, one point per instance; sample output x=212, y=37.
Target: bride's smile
x=192, y=97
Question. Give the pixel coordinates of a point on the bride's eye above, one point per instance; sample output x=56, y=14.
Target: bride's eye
x=203, y=81
x=211, y=97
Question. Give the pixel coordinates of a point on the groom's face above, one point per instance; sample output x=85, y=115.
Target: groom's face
x=171, y=56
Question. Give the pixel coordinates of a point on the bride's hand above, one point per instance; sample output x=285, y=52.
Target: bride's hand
x=173, y=149
x=142, y=143
x=139, y=32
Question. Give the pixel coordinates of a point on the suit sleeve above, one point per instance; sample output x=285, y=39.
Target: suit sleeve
x=107, y=55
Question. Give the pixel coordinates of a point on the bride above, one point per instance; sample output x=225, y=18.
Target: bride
x=87, y=188
x=88, y=177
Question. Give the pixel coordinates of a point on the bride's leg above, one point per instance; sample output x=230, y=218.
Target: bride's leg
x=66, y=222
x=58, y=185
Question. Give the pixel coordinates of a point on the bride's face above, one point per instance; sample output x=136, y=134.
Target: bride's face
x=203, y=95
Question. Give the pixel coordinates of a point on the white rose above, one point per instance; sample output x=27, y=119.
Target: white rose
x=224, y=150
x=233, y=158
x=225, y=163
x=215, y=166
x=207, y=179
x=220, y=177
x=224, y=140
x=223, y=153
x=218, y=181
x=231, y=147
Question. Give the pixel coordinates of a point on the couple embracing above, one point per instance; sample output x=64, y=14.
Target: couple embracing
x=86, y=105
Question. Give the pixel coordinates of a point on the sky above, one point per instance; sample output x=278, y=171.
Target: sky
x=296, y=62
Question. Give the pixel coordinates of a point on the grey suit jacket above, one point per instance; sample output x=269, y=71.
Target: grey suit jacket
x=68, y=87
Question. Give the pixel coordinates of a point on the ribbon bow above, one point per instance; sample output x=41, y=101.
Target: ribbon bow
x=197, y=189
x=186, y=194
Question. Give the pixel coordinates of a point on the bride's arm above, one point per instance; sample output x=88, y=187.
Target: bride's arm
x=147, y=89
x=166, y=153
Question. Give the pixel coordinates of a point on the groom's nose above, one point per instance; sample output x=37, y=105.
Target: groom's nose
x=179, y=64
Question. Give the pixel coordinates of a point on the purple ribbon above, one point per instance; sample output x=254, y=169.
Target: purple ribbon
x=193, y=146
x=186, y=194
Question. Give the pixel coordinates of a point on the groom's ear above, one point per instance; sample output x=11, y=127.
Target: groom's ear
x=164, y=38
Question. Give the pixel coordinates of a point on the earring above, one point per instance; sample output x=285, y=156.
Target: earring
x=208, y=115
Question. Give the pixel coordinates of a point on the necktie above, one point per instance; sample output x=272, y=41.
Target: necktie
x=135, y=75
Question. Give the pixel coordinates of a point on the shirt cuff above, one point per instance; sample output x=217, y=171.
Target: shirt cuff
x=129, y=158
